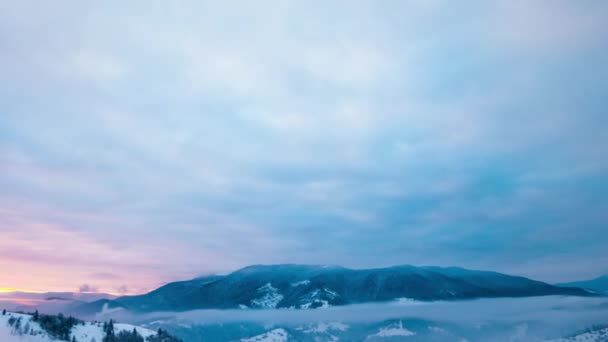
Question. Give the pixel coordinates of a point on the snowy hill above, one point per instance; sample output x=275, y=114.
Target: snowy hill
x=309, y=287
x=26, y=332
x=16, y=327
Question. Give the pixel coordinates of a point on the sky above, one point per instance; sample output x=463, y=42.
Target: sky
x=146, y=142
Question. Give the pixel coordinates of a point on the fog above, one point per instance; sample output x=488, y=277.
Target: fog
x=549, y=308
x=550, y=316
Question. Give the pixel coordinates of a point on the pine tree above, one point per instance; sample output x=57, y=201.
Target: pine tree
x=109, y=335
x=3, y=312
x=35, y=316
x=73, y=339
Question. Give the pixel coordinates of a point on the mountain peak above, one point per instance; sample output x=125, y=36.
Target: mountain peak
x=285, y=267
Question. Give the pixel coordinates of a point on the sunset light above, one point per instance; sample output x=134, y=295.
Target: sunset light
x=12, y=289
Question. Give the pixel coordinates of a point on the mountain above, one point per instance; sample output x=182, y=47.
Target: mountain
x=599, y=284
x=308, y=287
x=18, y=327
x=49, y=302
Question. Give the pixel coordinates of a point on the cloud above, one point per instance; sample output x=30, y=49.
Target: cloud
x=123, y=289
x=549, y=25
x=346, y=65
x=95, y=66
x=503, y=318
x=86, y=288
x=218, y=136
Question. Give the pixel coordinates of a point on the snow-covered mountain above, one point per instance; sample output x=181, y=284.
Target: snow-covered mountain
x=307, y=287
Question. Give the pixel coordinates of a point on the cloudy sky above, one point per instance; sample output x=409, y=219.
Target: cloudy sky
x=143, y=142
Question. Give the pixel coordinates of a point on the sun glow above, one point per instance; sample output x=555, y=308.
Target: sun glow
x=12, y=289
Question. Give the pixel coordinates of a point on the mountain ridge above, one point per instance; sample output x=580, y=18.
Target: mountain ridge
x=599, y=284
x=311, y=286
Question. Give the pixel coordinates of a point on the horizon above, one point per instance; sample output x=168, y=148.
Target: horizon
x=8, y=290
x=147, y=143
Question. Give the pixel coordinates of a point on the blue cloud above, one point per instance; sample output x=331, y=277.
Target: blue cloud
x=423, y=133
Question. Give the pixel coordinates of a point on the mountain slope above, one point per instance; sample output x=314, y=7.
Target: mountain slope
x=599, y=284
x=305, y=286
x=16, y=327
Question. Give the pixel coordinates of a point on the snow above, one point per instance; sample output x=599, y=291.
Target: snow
x=331, y=294
x=9, y=334
x=597, y=335
x=270, y=297
x=394, y=331
x=90, y=331
x=276, y=335
x=318, y=299
x=118, y=327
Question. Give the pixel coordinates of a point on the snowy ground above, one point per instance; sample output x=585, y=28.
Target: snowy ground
x=30, y=331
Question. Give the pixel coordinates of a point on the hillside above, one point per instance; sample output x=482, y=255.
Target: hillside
x=18, y=327
x=308, y=287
